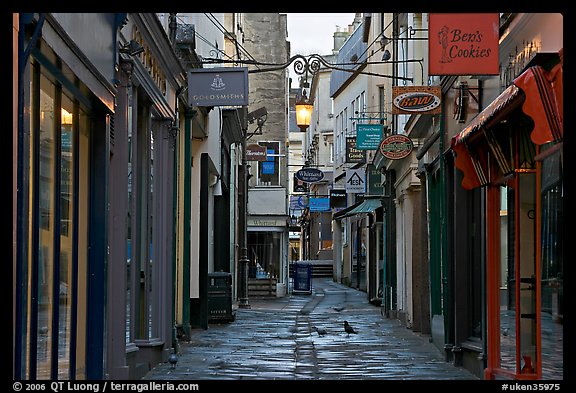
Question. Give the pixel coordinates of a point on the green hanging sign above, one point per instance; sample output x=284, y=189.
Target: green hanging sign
x=368, y=136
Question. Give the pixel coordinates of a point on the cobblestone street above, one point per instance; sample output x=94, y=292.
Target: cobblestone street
x=276, y=339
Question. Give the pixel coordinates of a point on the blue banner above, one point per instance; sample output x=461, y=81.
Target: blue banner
x=319, y=204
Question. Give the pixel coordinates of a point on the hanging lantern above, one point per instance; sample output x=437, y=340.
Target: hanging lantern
x=303, y=112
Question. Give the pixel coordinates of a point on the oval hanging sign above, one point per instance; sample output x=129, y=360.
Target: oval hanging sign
x=416, y=102
x=310, y=175
x=416, y=99
x=396, y=147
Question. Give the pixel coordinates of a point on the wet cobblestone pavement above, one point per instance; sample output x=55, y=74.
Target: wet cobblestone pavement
x=276, y=339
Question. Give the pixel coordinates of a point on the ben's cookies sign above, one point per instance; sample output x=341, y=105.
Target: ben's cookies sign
x=463, y=44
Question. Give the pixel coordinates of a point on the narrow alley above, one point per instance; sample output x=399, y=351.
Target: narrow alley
x=277, y=339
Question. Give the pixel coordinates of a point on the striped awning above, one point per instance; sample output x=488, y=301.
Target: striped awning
x=539, y=93
x=368, y=205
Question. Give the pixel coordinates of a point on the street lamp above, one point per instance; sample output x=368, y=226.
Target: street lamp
x=303, y=112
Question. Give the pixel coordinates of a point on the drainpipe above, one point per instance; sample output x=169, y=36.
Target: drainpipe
x=175, y=127
x=188, y=117
x=243, y=301
x=447, y=300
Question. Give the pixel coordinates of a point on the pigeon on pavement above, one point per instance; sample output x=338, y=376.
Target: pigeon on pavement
x=320, y=331
x=173, y=359
x=349, y=329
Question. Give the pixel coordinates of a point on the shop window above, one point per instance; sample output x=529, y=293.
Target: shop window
x=141, y=296
x=552, y=268
x=56, y=274
x=269, y=170
x=264, y=250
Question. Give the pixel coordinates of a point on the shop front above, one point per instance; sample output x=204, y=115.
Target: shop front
x=513, y=149
x=268, y=254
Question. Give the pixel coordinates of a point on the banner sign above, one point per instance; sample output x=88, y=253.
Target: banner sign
x=463, y=44
x=222, y=86
x=368, y=136
x=424, y=100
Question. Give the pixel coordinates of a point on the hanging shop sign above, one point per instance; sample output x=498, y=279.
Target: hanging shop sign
x=222, y=86
x=374, y=180
x=319, y=204
x=463, y=44
x=396, y=147
x=256, y=152
x=368, y=136
x=356, y=181
x=299, y=185
x=354, y=155
x=298, y=202
x=416, y=99
x=337, y=199
x=310, y=175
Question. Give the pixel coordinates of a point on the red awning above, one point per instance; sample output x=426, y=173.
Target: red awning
x=543, y=102
x=540, y=94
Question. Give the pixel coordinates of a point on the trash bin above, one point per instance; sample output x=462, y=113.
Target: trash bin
x=220, y=297
x=302, y=276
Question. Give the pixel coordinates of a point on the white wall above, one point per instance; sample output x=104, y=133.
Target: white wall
x=267, y=201
x=211, y=145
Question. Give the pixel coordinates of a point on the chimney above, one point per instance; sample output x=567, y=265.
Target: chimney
x=339, y=39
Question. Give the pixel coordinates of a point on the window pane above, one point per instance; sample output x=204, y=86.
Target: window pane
x=46, y=227
x=507, y=281
x=82, y=223
x=66, y=238
x=269, y=170
x=552, y=268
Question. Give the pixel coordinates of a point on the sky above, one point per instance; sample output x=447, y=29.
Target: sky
x=310, y=33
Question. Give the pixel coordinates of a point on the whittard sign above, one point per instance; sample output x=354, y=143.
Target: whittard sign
x=223, y=86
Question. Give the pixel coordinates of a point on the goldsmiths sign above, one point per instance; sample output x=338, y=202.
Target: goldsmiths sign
x=223, y=86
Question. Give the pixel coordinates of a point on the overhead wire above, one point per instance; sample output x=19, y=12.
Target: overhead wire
x=225, y=31
x=279, y=66
x=205, y=40
x=396, y=15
